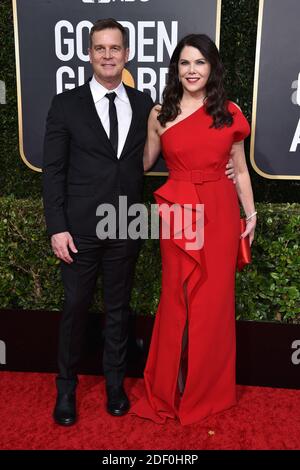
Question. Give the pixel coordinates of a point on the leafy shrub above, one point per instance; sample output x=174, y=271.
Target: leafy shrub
x=268, y=289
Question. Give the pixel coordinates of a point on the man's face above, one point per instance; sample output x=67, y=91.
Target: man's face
x=108, y=56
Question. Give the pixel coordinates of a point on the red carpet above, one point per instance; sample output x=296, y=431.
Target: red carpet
x=265, y=418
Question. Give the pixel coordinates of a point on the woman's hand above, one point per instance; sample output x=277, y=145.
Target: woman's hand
x=230, y=173
x=250, y=229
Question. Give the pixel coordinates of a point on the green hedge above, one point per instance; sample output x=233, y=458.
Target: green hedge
x=266, y=290
x=237, y=47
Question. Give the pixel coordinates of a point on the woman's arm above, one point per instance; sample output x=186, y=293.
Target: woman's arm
x=152, y=146
x=244, y=188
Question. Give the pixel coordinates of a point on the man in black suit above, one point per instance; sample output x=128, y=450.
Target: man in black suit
x=93, y=153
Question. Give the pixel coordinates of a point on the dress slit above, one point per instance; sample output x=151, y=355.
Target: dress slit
x=183, y=365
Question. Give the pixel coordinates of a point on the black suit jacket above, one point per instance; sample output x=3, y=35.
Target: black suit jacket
x=80, y=168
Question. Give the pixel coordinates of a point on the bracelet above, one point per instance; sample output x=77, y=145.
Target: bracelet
x=250, y=216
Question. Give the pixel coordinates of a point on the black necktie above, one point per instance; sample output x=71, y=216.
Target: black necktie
x=113, y=121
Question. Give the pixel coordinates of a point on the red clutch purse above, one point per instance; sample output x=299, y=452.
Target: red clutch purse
x=244, y=253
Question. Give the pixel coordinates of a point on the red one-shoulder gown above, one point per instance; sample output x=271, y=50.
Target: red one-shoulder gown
x=194, y=328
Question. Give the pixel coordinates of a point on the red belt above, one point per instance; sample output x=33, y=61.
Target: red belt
x=197, y=176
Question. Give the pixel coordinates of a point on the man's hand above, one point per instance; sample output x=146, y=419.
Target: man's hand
x=60, y=243
x=230, y=170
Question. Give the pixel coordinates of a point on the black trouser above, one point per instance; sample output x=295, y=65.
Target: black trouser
x=116, y=259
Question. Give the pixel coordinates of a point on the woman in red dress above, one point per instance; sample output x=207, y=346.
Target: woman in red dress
x=190, y=371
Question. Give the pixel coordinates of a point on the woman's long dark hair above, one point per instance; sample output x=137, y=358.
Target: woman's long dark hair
x=215, y=102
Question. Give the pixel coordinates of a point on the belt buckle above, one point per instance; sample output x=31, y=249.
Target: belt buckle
x=197, y=176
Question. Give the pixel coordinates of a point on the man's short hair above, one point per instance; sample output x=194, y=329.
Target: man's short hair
x=108, y=23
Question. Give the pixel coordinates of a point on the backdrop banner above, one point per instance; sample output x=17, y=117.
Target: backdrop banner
x=51, y=40
x=275, y=141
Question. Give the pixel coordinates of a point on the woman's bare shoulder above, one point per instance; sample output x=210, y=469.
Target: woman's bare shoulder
x=156, y=109
x=154, y=114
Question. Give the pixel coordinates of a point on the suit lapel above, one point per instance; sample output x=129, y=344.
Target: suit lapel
x=134, y=121
x=91, y=116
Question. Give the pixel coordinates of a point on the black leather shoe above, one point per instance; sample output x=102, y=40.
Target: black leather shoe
x=65, y=409
x=117, y=401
